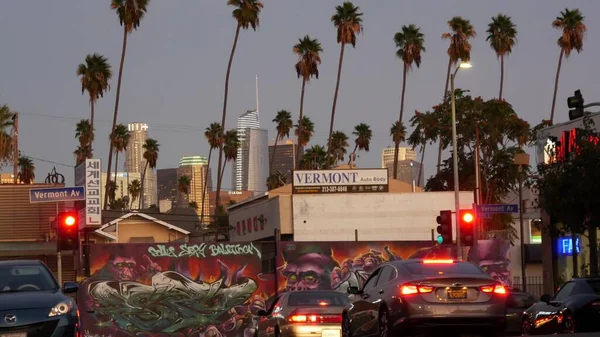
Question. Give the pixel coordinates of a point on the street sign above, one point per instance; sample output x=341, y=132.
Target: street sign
x=497, y=208
x=56, y=194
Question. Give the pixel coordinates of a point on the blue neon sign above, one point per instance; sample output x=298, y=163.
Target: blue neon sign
x=565, y=245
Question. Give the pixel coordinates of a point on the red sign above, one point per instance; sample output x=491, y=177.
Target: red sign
x=567, y=148
x=250, y=225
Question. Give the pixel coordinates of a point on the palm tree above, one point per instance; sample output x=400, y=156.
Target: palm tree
x=410, y=43
x=246, y=15
x=151, y=148
x=309, y=59
x=6, y=122
x=348, y=23
x=231, y=143
x=283, y=119
x=81, y=154
x=315, y=158
x=26, y=173
x=363, y=135
x=130, y=14
x=183, y=185
x=398, y=135
x=84, y=132
x=134, y=189
x=502, y=35
x=304, y=131
x=119, y=140
x=460, y=49
x=94, y=75
x=112, y=191
x=573, y=29
x=193, y=204
x=339, y=145
x=214, y=136
x=276, y=180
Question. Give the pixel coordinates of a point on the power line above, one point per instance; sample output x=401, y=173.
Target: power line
x=49, y=161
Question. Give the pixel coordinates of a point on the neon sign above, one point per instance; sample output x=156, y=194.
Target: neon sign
x=565, y=245
x=566, y=148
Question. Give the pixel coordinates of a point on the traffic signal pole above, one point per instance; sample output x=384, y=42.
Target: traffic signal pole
x=58, y=253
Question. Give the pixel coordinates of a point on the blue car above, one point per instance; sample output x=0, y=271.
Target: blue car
x=32, y=303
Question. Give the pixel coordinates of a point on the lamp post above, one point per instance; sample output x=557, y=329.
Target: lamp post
x=522, y=160
x=455, y=160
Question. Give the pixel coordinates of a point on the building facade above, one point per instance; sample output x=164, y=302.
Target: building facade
x=135, y=162
x=284, y=160
x=123, y=181
x=404, y=153
x=252, y=165
x=408, y=172
x=196, y=168
x=166, y=181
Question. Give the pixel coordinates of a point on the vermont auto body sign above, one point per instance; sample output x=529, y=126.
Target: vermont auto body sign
x=340, y=181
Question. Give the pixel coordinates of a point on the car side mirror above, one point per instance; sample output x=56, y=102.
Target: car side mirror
x=261, y=312
x=545, y=298
x=354, y=291
x=70, y=287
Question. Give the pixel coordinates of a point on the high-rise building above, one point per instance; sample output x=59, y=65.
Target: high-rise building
x=135, y=162
x=404, y=153
x=408, y=172
x=284, y=160
x=166, y=181
x=248, y=120
x=123, y=180
x=252, y=165
x=195, y=167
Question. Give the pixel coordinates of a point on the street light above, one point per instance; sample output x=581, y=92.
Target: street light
x=463, y=65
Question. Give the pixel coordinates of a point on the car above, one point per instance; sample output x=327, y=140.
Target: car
x=575, y=307
x=32, y=304
x=411, y=296
x=517, y=302
x=304, y=313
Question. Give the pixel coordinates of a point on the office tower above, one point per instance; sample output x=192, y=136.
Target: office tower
x=135, y=162
x=248, y=120
x=408, y=172
x=285, y=158
x=252, y=165
x=194, y=167
x=123, y=180
x=404, y=153
x=166, y=180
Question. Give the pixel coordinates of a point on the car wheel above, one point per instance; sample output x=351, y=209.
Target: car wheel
x=569, y=323
x=383, y=323
x=526, y=327
x=346, y=326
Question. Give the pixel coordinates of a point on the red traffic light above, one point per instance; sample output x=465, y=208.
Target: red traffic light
x=69, y=220
x=468, y=217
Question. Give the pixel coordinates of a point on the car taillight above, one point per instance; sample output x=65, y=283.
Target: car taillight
x=310, y=318
x=498, y=289
x=442, y=261
x=413, y=289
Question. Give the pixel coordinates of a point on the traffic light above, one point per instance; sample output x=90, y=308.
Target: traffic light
x=576, y=104
x=445, y=227
x=467, y=226
x=67, y=228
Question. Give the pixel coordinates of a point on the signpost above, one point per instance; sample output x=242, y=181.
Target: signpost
x=486, y=211
x=56, y=195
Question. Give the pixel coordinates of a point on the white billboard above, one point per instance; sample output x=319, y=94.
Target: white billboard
x=89, y=174
x=340, y=181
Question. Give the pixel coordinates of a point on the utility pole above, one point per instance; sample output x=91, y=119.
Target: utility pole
x=15, y=146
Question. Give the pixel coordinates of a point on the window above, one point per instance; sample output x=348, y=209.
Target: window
x=371, y=281
x=595, y=285
x=564, y=292
x=431, y=269
x=317, y=298
x=26, y=278
x=387, y=274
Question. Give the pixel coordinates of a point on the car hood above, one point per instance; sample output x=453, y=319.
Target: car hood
x=30, y=300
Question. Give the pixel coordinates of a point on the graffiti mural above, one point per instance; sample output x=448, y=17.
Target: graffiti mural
x=494, y=257
x=336, y=265
x=184, y=290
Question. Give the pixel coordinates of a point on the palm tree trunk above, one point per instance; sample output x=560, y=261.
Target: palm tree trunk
x=397, y=141
x=219, y=176
x=116, y=165
x=118, y=96
x=439, y=159
x=421, y=166
x=273, y=155
x=501, y=76
x=92, y=104
x=299, y=145
x=142, y=194
x=205, y=187
x=556, y=85
x=353, y=153
x=335, y=97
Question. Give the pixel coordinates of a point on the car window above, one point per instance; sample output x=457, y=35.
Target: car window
x=315, y=299
x=595, y=285
x=372, y=280
x=431, y=269
x=26, y=278
x=564, y=292
x=387, y=274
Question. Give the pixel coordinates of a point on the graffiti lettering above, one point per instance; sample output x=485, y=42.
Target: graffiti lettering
x=201, y=250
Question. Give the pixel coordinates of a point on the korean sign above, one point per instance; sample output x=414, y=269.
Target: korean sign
x=93, y=192
x=340, y=181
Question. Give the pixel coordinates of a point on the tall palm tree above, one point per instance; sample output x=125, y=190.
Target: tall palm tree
x=85, y=135
x=339, y=146
x=502, y=35
x=461, y=30
x=134, y=189
x=214, y=136
x=305, y=129
x=6, y=122
x=151, y=148
x=81, y=154
x=573, y=29
x=410, y=43
x=283, y=119
x=363, y=135
x=183, y=186
x=26, y=173
x=398, y=134
x=112, y=191
x=130, y=14
x=348, y=23
x=246, y=15
x=94, y=75
x=119, y=140
x=231, y=144
x=315, y=158
x=309, y=58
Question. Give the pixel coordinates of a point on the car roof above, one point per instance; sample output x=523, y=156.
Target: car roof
x=14, y=263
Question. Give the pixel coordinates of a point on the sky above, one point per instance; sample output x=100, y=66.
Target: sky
x=176, y=62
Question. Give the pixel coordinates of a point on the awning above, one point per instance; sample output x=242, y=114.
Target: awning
x=533, y=253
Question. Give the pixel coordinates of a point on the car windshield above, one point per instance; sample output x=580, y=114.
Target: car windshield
x=26, y=278
x=315, y=299
x=595, y=285
x=436, y=269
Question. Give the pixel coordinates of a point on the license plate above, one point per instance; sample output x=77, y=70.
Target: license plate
x=330, y=333
x=457, y=294
x=14, y=334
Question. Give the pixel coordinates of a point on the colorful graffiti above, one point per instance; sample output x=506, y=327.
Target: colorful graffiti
x=204, y=290
x=494, y=257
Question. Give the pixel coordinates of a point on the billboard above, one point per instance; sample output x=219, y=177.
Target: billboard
x=89, y=174
x=340, y=181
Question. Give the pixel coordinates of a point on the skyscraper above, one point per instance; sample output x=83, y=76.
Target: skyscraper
x=195, y=168
x=248, y=120
x=404, y=153
x=250, y=168
x=284, y=160
x=135, y=162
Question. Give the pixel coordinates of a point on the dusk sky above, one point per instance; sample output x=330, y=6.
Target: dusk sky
x=176, y=62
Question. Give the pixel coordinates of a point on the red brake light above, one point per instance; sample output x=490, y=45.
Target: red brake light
x=323, y=304
x=438, y=261
x=311, y=318
x=412, y=289
x=499, y=289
